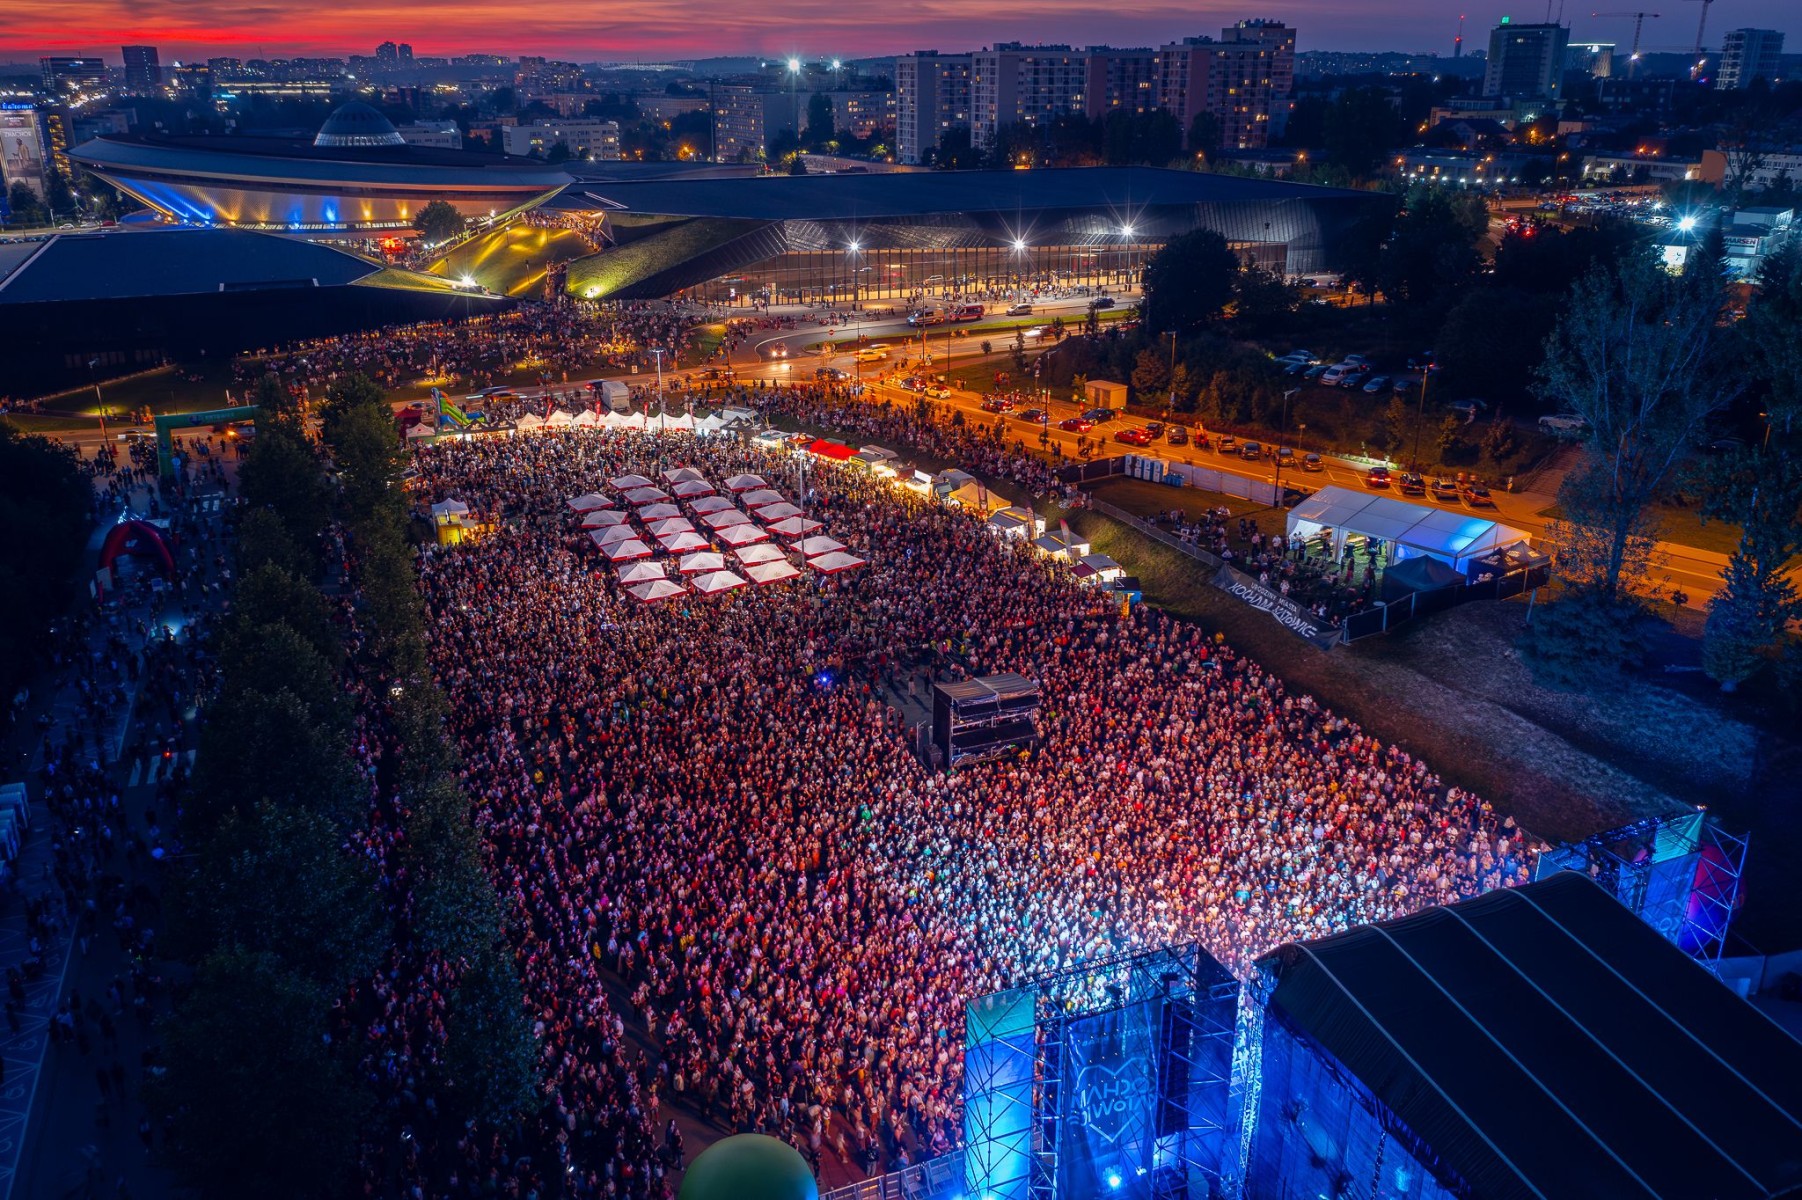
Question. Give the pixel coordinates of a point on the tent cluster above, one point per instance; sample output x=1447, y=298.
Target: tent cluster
x=646, y=528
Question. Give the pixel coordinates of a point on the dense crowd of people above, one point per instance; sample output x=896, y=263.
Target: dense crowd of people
x=551, y=339
x=738, y=895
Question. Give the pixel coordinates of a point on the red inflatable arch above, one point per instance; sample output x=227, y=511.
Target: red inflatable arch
x=140, y=539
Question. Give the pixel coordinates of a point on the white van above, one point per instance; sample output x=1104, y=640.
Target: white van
x=872, y=354
x=1564, y=425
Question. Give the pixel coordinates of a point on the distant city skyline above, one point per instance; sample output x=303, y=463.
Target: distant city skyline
x=659, y=30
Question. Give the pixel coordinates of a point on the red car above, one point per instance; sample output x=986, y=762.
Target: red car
x=1377, y=477
x=1134, y=437
x=1076, y=424
x=997, y=404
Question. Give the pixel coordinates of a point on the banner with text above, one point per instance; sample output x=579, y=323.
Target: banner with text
x=1287, y=612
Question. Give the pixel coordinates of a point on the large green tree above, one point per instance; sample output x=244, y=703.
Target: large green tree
x=1189, y=282
x=262, y=1102
x=439, y=221
x=44, y=503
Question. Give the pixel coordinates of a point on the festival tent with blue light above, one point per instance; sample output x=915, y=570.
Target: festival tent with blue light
x=1451, y=536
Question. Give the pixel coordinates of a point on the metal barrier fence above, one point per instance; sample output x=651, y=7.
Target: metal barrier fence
x=935, y=1179
x=1385, y=617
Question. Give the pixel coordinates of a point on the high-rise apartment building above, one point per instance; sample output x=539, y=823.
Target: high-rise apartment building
x=932, y=95
x=387, y=56
x=1526, y=62
x=1748, y=54
x=1120, y=81
x=1244, y=81
x=143, y=74
x=63, y=75
x=1012, y=84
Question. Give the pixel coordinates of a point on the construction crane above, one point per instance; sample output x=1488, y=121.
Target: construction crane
x=1458, y=42
x=1639, y=20
x=1697, y=62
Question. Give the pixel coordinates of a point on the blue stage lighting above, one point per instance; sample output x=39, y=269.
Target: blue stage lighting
x=1113, y=1179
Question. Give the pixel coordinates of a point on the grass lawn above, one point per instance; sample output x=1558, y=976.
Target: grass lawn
x=1143, y=498
x=1681, y=526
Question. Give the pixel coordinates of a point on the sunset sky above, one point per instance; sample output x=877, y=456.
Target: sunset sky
x=655, y=29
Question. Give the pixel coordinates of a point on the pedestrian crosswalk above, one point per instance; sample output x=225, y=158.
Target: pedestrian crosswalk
x=147, y=769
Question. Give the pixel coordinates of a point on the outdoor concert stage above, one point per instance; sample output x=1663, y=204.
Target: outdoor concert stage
x=1540, y=1041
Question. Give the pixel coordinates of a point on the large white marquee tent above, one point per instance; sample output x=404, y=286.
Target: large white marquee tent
x=1452, y=536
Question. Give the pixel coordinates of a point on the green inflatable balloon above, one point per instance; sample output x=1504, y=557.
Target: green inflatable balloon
x=749, y=1166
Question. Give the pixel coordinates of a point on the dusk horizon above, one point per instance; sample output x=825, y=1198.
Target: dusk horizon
x=814, y=29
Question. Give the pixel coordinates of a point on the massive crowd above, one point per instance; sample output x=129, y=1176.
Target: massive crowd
x=739, y=897
x=550, y=339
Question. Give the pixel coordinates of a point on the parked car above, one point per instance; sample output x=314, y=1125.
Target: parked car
x=1226, y=443
x=1477, y=495
x=1076, y=424
x=1563, y=424
x=1426, y=360
x=938, y=391
x=1377, y=477
x=998, y=404
x=1403, y=383
x=1357, y=360
x=1317, y=371
x=1101, y=302
x=1311, y=462
x=1019, y=310
x=1444, y=491
x=1133, y=437
x=1468, y=409
x=1307, y=355
x=1413, y=485
x=1155, y=428
x=1178, y=435
x=1345, y=374
x=1037, y=416
x=832, y=374
x=1296, y=366
x=1376, y=385
x=1099, y=416
x=1251, y=452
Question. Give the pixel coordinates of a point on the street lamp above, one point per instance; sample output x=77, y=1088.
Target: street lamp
x=1282, y=425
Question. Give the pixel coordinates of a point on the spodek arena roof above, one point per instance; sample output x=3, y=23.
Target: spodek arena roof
x=1546, y=1042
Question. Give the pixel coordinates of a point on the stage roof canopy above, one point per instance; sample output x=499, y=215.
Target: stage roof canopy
x=1450, y=535
x=1544, y=1041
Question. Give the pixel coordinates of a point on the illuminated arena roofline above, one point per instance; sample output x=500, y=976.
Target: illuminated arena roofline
x=356, y=174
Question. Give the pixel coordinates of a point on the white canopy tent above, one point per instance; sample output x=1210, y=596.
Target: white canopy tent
x=682, y=475
x=658, y=512
x=741, y=535
x=589, y=502
x=643, y=572
x=450, y=508
x=745, y=483
x=708, y=504
x=1452, y=536
x=795, y=527
x=761, y=497
x=832, y=564
x=771, y=572
x=760, y=552
x=613, y=535
x=718, y=581
x=657, y=589
x=813, y=547
x=699, y=564
x=627, y=551
x=626, y=483
x=771, y=513
x=670, y=526
x=602, y=518
x=724, y=517
x=682, y=543
x=688, y=488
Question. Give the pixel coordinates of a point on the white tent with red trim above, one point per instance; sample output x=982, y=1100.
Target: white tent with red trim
x=831, y=564
x=772, y=572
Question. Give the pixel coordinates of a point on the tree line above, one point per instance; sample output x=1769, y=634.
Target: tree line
x=284, y=916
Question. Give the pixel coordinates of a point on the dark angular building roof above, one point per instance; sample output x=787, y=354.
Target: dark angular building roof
x=1545, y=1042
x=175, y=262
x=1123, y=190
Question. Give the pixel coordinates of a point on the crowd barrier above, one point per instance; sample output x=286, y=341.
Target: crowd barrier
x=935, y=1179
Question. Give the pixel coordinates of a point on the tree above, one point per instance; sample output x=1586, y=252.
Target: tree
x=1204, y=135
x=277, y=880
x=262, y=1103
x=1359, y=129
x=262, y=746
x=44, y=500
x=1151, y=374
x=439, y=221
x=1633, y=355
x=819, y=121
x=359, y=429
x=1261, y=294
x=1398, y=424
x=1761, y=491
x=269, y=594
x=1451, y=432
x=1775, y=351
x=1492, y=341
x=1188, y=282
x=282, y=474
x=489, y=1046
x=797, y=165
x=27, y=209
x=1432, y=251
